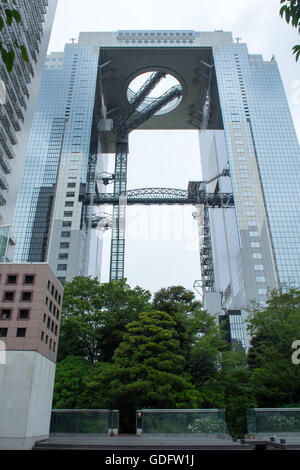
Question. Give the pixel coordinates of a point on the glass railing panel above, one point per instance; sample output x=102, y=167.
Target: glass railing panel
x=273, y=420
x=84, y=422
x=192, y=422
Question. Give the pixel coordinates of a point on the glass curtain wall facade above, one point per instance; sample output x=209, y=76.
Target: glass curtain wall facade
x=60, y=138
x=256, y=248
x=19, y=90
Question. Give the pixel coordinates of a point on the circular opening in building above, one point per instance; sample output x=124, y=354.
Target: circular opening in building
x=160, y=84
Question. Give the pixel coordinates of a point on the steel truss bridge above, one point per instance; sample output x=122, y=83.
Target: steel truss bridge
x=169, y=196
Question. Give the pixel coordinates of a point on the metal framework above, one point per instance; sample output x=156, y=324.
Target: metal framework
x=87, y=216
x=124, y=126
x=207, y=282
x=138, y=98
x=169, y=196
x=196, y=193
x=119, y=213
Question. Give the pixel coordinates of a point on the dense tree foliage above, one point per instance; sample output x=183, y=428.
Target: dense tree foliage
x=234, y=380
x=175, y=299
x=118, y=350
x=79, y=385
x=150, y=367
x=69, y=383
x=199, y=336
x=274, y=328
x=94, y=316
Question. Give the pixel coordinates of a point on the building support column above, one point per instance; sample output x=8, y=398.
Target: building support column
x=119, y=213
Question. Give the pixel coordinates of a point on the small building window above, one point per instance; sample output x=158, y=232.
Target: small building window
x=5, y=314
x=61, y=267
x=3, y=332
x=23, y=314
x=28, y=278
x=11, y=279
x=26, y=296
x=8, y=296
x=258, y=267
x=262, y=291
x=64, y=245
x=21, y=332
x=255, y=245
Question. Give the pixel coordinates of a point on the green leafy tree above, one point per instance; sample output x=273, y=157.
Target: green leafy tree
x=7, y=49
x=97, y=386
x=69, y=383
x=150, y=369
x=94, y=316
x=206, y=342
x=238, y=390
x=181, y=304
x=80, y=385
x=290, y=10
x=175, y=299
x=200, y=337
x=273, y=329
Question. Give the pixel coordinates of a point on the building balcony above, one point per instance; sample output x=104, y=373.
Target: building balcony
x=6, y=124
x=2, y=199
x=8, y=150
x=4, y=161
x=3, y=181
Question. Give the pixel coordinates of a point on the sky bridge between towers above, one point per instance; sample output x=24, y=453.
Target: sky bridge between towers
x=168, y=196
x=193, y=67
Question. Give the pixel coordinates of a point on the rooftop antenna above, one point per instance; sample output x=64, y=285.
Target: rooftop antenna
x=73, y=40
x=238, y=40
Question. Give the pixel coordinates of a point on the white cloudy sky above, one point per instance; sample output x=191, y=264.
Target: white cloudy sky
x=162, y=251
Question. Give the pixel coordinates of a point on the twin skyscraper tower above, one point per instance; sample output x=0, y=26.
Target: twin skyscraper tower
x=247, y=200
